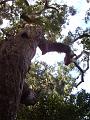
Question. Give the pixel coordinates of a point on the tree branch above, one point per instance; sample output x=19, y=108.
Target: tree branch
x=54, y=46
x=47, y=6
x=48, y=46
x=81, y=36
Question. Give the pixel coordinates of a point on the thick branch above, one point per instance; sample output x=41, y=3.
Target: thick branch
x=48, y=46
x=53, y=46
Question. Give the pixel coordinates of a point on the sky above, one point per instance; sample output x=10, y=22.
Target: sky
x=77, y=20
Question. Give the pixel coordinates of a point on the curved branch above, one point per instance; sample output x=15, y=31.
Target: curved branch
x=47, y=6
x=48, y=46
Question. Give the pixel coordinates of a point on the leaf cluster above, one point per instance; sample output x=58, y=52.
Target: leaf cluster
x=53, y=107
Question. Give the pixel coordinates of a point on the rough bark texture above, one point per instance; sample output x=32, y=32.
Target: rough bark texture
x=15, y=58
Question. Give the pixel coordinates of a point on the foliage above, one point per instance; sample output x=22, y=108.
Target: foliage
x=53, y=107
x=50, y=78
x=50, y=19
x=55, y=102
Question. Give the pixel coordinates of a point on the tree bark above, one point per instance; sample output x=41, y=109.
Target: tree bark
x=15, y=58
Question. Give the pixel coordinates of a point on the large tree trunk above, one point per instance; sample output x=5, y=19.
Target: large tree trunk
x=15, y=58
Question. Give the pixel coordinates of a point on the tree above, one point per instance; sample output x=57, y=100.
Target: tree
x=15, y=55
x=20, y=45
